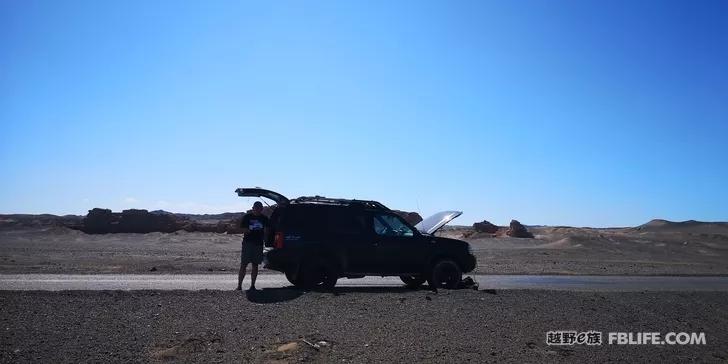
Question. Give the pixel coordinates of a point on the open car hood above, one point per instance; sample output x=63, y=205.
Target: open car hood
x=260, y=192
x=433, y=223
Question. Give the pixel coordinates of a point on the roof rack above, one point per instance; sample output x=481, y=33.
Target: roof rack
x=339, y=201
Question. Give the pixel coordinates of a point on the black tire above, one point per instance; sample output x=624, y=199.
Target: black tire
x=293, y=277
x=413, y=281
x=310, y=275
x=445, y=274
x=330, y=278
x=318, y=275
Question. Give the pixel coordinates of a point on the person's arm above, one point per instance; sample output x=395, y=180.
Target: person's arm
x=266, y=231
x=245, y=224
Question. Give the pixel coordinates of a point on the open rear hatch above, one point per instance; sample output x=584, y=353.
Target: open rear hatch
x=260, y=192
x=433, y=223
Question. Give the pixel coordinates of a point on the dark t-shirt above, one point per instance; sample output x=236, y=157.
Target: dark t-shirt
x=256, y=225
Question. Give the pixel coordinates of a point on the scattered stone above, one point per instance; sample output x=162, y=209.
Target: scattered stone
x=468, y=282
x=167, y=353
x=291, y=346
x=315, y=346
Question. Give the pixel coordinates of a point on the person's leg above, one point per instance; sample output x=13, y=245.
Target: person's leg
x=241, y=275
x=253, y=275
x=256, y=258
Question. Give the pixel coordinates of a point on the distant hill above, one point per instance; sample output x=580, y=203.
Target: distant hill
x=36, y=221
x=160, y=220
x=689, y=226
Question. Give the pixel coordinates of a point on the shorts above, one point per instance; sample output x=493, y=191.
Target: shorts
x=251, y=253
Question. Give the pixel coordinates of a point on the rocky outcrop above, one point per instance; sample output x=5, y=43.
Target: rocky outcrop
x=98, y=221
x=517, y=230
x=142, y=221
x=485, y=227
x=104, y=221
x=411, y=217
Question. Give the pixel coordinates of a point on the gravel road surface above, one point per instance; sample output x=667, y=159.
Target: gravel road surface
x=58, y=282
x=357, y=324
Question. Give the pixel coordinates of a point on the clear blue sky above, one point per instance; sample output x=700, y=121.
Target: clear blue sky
x=587, y=113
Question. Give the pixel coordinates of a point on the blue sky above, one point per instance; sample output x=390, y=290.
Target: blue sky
x=585, y=113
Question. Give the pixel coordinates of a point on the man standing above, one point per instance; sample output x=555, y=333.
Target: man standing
x=255, y=227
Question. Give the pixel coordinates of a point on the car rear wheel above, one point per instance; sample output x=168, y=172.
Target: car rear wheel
x=293, y=277
x=413, y=281
x=320, y=275
x=445, y=274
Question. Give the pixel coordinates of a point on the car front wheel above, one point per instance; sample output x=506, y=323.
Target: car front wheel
x=445, y=274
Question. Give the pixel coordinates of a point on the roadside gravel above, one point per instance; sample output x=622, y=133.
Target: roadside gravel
x=355, y=325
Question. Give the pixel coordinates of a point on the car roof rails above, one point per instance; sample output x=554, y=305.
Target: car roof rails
x=340, y=201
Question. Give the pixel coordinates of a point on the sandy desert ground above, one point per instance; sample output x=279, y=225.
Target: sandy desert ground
x=657, y=248
x=360, y=324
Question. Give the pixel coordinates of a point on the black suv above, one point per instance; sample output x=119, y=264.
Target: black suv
x=317, y=240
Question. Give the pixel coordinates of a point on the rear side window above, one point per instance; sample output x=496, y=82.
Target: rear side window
x=302, y=218
x=345, y=221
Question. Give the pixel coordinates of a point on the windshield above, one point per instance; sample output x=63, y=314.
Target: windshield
x=431, y=224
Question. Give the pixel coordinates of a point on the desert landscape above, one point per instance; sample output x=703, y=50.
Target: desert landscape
x=210, y=244
x=352, y=324
x=135, y=134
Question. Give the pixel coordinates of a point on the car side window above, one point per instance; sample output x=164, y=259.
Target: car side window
x=389, y=225
x=341, y=222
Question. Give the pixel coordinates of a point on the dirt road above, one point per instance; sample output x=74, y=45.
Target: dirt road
x=59, y=282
